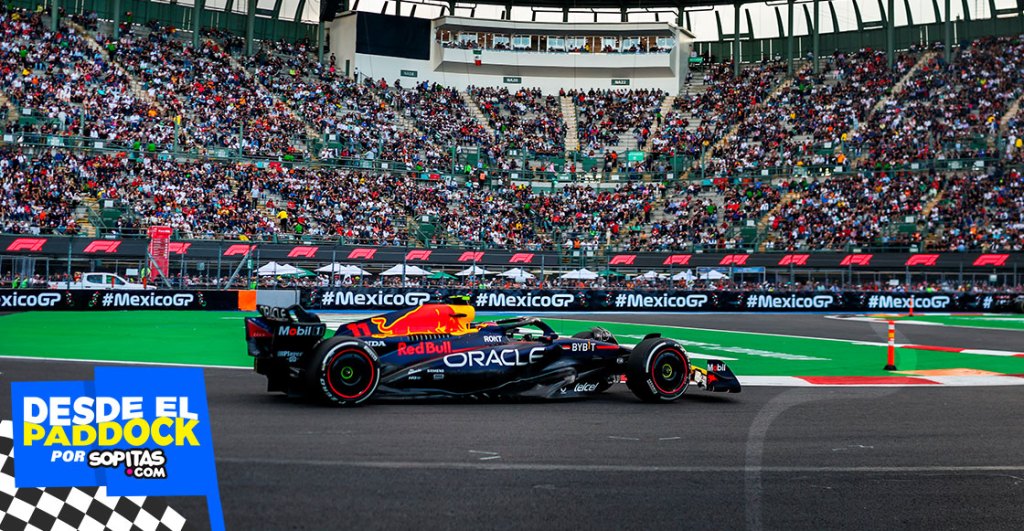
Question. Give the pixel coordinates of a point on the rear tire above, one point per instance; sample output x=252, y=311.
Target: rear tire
x=343, y=371
x=658, y=370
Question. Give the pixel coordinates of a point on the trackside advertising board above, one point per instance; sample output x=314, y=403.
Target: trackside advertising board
x=98, y=300
x=670, y=300
x=134, y=431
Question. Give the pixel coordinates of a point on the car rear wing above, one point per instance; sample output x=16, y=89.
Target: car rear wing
x=282, y=331
x=717, y=377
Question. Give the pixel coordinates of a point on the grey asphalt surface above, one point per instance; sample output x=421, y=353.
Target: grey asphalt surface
x=775, y=458
x=814, y=325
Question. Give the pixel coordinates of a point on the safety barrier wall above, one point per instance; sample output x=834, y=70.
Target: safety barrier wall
x=98, y=300
x=599, y=300
x=511, y=300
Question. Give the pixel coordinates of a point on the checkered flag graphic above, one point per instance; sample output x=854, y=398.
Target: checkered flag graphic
x=68, y=509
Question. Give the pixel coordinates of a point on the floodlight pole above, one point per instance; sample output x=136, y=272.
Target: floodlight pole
x=197, y=13
x=890, y=33
x=789, y=40
x=947, y=49
x=117, y=19
x=816, y=36
x=250, y=28
x=54, y=15
x=320, y=41
x=736, y=43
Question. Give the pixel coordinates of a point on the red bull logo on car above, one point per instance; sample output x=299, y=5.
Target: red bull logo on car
x=427, y=319
x=419, y=349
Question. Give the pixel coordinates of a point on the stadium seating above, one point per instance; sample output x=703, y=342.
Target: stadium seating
x=859, y=155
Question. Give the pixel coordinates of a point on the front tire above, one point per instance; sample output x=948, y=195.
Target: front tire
x=343, y=371
x=658, y=370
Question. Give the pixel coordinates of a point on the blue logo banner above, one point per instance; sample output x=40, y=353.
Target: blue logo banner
x=137, y=431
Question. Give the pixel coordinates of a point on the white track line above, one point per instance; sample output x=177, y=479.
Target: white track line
x=567, y=467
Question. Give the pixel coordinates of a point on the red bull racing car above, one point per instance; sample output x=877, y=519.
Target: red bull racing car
x=437, y=350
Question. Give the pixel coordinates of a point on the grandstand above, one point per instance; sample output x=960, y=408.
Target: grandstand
x=585, y=128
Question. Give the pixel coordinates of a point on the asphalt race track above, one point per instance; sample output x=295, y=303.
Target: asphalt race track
x=778, y=458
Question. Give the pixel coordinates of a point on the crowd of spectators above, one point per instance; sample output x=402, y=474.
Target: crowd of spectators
x=220, y=105
x=524, y=119
x=948, y=111
x=983, y=212
x=38, y=195
x=131, y=92
x=65, y=87
x=838, y=212
x=603, y=116
x=700, y=117
x=805, y=122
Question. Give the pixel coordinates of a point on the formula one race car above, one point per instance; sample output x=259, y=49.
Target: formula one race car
x=436, y=350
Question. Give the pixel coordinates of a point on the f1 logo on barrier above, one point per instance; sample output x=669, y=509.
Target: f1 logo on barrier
x=521, y=258
x=857, y=260
x=794, y=260
x=27, y=244
x=993, y=260
x=102, y=246
x=622, y=259
x=927, y=260
x=179, y=247
x=418, y=255
x=303, y=251
x=362, y=253
x=471, y=256
x=238, y=249
x=734, y=259
x=677, y=259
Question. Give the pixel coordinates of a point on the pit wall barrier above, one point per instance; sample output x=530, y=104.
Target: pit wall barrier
x=596, y=300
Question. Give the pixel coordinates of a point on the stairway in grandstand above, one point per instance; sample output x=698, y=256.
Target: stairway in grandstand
x=572, y=140
x=405, y=122
x=1004, y=122
x=892, y=94
x=762, y=224
x=82, y=218
x=478, y=115
x=90, y=41
x=311, y=133
x=725, y=139
x=666, y=108
x=8, y=111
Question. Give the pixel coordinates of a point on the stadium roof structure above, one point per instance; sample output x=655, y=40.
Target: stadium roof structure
x=707, y=20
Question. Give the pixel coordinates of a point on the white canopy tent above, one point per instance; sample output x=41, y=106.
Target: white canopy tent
x=409, y=271
x=517, y=274
x=579, y=274
x=273, y=268
x=343, y=269
x=713, y=275
x=686, y=275
x=474, y=270
x=651, y=275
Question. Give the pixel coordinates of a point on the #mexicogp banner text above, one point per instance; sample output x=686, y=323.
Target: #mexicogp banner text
x=137, y=431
